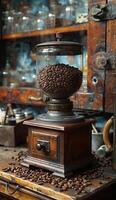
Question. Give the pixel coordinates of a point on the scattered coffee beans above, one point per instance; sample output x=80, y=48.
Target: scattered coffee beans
x=78, y=182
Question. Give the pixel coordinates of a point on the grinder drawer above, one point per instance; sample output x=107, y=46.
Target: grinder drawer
x=44, y=145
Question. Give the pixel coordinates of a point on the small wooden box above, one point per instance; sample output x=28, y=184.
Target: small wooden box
x=61, y=148
x=11, y=136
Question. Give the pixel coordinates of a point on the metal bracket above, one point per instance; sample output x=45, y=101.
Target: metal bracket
x=104, y=60
x=17, y=188
x=103, y=12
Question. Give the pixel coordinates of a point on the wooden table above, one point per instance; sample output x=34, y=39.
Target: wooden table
x=13, y=186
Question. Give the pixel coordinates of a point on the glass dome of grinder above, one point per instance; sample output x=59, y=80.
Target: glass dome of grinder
x=58, y=75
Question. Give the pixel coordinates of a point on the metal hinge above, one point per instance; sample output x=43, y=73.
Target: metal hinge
x=105, y=60
x=103, y=12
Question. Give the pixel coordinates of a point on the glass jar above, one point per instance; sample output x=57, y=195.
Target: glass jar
x=59, y=76
x=8, y=18
x=58, y=62
x=6, y=74
x=58, y=52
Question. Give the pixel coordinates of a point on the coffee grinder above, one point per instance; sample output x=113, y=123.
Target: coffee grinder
x=59, y=140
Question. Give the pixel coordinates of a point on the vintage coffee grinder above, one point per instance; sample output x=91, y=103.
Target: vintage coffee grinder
x=59, y=140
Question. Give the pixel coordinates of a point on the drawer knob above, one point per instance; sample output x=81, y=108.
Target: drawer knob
x=43, y=145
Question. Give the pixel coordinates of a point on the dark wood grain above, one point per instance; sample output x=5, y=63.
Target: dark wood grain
x=31, y=190
x=70, y=145
x=80, y=27
x=110, y=84
x=21, y=95
x=96, y=40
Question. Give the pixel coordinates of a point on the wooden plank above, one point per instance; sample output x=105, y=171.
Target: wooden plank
x=78, y=27
x=35, y=187
x=110, y=76
x=94, y=190
x=21, y=95
x=21, y=195
x=93, y=99
x=97, y=188
x=96, y=41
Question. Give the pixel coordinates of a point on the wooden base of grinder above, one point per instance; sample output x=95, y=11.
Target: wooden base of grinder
x=59, y=147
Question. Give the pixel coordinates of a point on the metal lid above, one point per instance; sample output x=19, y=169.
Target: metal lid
x=59, y=48
x=59, y=43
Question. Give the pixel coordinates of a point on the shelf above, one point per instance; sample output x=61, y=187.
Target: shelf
x=21, y=95
x=78, y=27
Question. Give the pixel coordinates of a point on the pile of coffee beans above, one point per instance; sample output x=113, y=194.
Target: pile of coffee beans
x=79, y=181
x=60, y=80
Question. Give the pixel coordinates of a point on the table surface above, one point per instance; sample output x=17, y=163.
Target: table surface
x=97, y=185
